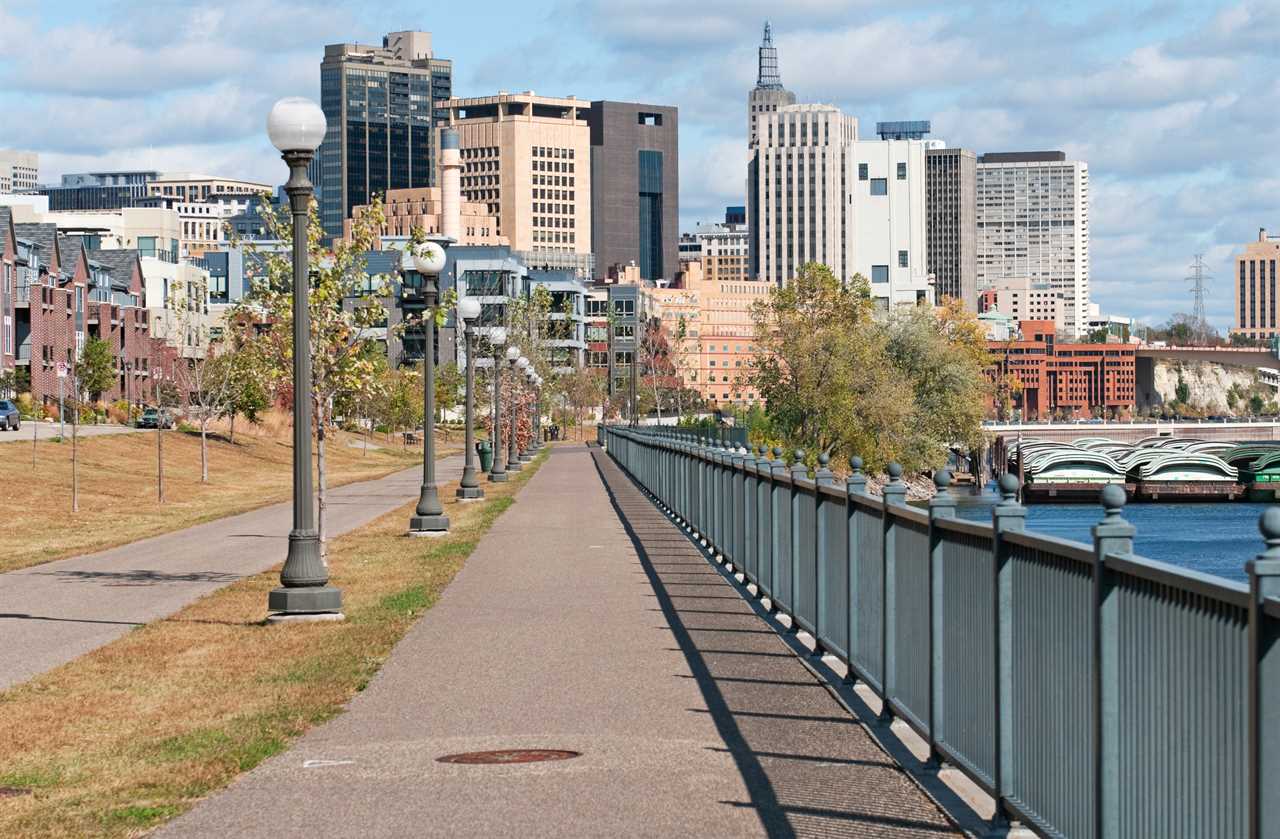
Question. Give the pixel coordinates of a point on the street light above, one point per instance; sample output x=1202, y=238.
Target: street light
x=469, y=489
x=427, y=261
x=526, y=454
x=498, y=471
x=518, y=363
x=296, y=127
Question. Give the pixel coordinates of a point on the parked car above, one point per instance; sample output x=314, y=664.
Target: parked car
x=10, y=419
x=155, y=418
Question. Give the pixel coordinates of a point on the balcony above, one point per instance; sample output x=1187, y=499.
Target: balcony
x=24, y=354
x=22, y=294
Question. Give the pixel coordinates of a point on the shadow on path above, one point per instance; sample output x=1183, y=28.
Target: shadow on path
x=809, y=767
x=141, y=577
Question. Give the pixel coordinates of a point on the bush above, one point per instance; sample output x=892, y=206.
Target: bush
x=187, y=428
x=26, y=406
x=50, y=412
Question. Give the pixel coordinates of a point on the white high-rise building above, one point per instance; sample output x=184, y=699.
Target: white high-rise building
x=887, y=196
x=1033, y=224
x=797, y=189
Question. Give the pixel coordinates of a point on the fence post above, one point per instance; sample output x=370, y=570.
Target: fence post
x=734, y=521
x=1264, y=682
x=764, y=486
x=1006, y=517
x=941, y=506
x=895, y=492
x=1112, y=535
x=777, y=549
x=855, y=484
x=798, y=470
x=822, y=476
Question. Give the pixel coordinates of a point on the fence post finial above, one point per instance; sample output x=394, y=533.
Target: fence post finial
x=856, y=482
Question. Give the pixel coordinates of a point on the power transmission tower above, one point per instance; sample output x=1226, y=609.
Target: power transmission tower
x=1197, y=277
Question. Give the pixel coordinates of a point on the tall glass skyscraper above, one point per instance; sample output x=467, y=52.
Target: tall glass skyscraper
x=380, y=106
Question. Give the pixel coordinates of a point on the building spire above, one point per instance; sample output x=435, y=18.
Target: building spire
x=768, y=76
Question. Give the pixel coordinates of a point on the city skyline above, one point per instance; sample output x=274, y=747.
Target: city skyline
x=1167, y=103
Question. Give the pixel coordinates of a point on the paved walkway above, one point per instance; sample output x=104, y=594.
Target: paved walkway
x=584, y=622
x=52, y=613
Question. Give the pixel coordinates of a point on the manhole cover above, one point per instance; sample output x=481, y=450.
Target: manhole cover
x=510, y=756
x=13, y=792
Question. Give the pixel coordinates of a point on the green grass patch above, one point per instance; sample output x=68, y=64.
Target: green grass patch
x=140, y=816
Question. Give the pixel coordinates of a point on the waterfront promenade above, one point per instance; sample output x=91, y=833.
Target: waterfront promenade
x=584, y=621
x=52, y=613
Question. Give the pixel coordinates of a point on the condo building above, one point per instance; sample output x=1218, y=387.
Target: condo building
x=886, y=200
x=380, y=104
x=1255, y=286
x=19, y=170
x=1033, y=223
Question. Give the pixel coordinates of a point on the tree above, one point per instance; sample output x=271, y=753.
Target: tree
x=1182, y=392
x=97, y=368
x=1256, y=404
x=450, y=382
x=585, y=389
x=821, y=367
x=345, y=307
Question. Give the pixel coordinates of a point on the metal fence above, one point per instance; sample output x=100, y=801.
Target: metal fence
x=1089, y=691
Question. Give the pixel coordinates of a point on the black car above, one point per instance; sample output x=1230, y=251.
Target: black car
x=10, y=419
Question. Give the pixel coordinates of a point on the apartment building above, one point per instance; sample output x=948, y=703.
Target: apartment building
x=383, y=106
x=887, y=203
x=192, y=187
x=1033, y=223
x=528, y=159
x=724, y=250
x=1025, y=300
x=1255, y=287
x=1065, y=379
x=8, y=291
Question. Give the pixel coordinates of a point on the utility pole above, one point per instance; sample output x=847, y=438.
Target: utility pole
x=1196, y=278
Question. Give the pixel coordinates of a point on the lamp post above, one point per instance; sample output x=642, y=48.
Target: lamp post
x=518, y=362
x=498, y=471
x=296, y=127
x=427, y=261
x=469, y=489
x=537, y=413
x=526, y=454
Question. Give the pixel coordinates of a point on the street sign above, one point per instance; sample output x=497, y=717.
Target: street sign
x=62, y=369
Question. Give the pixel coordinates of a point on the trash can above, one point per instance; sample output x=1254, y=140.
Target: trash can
x=485, y=451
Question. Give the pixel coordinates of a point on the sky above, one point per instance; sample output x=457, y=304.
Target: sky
x=1175, y=106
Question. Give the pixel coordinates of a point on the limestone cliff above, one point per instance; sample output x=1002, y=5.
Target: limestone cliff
x=1207, y=381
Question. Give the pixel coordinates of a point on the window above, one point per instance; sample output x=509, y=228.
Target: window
x=879, y=273
x=862, y=171
x=649, y=119
x=902, y=259
x=902, y=171
x=879, y=186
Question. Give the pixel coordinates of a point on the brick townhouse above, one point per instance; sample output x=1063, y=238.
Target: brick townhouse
x=8, y=289
x=63, y=295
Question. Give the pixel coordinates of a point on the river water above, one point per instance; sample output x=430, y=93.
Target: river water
x=1212, y=538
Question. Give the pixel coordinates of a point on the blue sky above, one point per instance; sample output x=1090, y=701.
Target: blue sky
x=1175, y=105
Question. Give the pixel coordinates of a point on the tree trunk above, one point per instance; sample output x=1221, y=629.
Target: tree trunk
x=231, y=436
x=159, y=462
x=204, y=449
x=320, y=493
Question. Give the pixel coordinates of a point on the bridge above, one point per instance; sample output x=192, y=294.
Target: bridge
x=1238, y=356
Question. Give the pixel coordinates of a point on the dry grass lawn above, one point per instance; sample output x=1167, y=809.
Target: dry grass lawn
x=134, y=733
x=118, y=501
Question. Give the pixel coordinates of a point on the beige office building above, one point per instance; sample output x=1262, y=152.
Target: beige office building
x=1021, y=299
x=407, y=209
x=19, y=170
x=191, y=187
x=527, y=158
x=1255, y=282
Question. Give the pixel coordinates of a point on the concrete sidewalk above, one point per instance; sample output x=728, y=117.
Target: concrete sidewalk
x=48, y=430
x=583, y=621
x=52, y=613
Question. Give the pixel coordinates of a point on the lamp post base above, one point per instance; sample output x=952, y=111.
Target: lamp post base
x=428, y=525
x=469, y=493
x=514, y=465
x=497, y=477
x=305, y=600
x=304, y=617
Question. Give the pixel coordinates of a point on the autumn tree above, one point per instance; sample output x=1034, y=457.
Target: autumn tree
x=96, y=368
x=346, y=306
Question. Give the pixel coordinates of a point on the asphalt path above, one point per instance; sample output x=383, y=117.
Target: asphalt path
x=52, y=613
x=584, y=621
